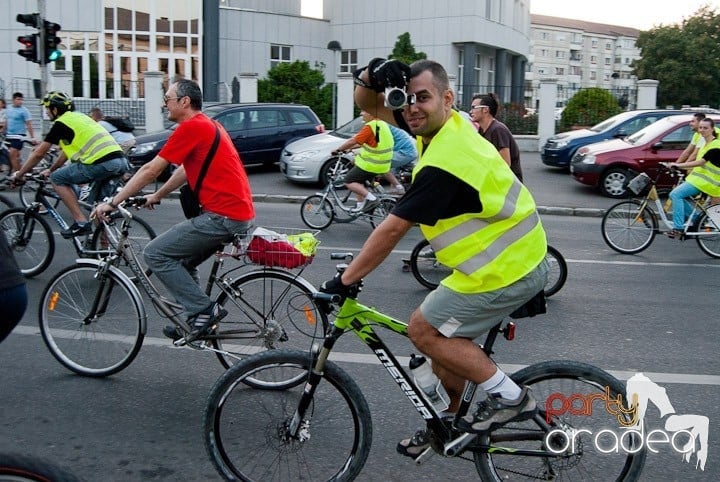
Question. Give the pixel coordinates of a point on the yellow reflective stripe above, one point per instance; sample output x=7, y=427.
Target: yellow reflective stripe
x=491, y=252
x=472, y=225
x=379, y=152
x=705, y=177
x=92, y=148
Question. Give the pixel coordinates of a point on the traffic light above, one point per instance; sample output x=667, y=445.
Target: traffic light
x=52, y=53
x=30, y=41
x=30, y=51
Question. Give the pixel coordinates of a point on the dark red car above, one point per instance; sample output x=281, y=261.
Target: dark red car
x=607, y=165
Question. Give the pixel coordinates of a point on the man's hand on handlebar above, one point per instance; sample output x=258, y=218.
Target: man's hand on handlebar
x=151, y=200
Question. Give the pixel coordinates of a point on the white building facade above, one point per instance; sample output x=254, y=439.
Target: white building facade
x=109, y=45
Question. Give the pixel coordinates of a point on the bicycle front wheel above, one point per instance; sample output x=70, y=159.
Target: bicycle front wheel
x=558, y=271
x=245, y=429
x=425, y=267
x=628, y=227
x=709, y=231
x=19, y=468
x=317, y=212
x=268, y=310
x=582, y=460
x=97, y=345
x=30, y=238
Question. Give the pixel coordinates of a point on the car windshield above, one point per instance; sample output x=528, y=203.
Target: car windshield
x=612, y=122
x=650, y=132
x=348, y=130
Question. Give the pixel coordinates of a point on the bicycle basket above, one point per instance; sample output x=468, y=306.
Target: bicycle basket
x=284, y=247
x=639, y=184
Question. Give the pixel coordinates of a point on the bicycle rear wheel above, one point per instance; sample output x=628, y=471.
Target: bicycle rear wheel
x=268, y=309
x=586, y=461
x=381, y=211
x=245, y=428
x=425, y=267
x=30, y=238
x=558, y=271
x=709, y=232
x=98, y=346
x=628, y=227
x=317, y=212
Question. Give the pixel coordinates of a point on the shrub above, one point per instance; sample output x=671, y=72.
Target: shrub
x=588, y=107
x=515, y=117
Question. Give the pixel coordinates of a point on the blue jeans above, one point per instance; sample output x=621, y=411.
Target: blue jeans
x=681, y=207
x=175, y=253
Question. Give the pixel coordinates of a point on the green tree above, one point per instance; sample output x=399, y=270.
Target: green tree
x=404, y=50
x=588, y=107
x=295, y=82
x=684, y=58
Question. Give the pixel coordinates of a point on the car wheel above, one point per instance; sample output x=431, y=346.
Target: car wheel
x=614, y=183
x=324, y=176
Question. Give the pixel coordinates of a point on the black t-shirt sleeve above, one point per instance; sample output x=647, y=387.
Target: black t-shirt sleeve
x=58, y=132
x=713, y=157
x=436, y=194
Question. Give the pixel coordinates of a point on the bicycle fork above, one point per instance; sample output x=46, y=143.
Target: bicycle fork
x=102, y=294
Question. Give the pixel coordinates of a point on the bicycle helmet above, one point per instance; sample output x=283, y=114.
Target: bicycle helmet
x=60, y=100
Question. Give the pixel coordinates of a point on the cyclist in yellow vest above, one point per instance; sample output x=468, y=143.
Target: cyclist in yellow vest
x=375, y=157
x=92, y=151
x=482, y=222
x=705, y=176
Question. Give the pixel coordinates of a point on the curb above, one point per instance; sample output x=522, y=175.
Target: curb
x=550, y=210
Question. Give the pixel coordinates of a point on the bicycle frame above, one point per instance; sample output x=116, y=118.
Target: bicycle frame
x=331, y=194
x=699, y=205
x=41, y=200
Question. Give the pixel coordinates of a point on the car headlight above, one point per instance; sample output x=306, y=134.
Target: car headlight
x=141, y=149
x=304, y=156
x=561, y=143
x=589, y=159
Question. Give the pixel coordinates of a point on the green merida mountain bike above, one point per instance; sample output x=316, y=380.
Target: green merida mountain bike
x=313, y=423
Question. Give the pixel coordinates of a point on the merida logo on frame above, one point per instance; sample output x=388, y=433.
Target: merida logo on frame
x=687, y=434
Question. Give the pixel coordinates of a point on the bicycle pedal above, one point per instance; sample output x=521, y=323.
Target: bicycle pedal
x=424, y=456
x=180, y=342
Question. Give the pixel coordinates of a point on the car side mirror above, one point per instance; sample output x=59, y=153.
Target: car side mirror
x=620, y=134
x=657, y=146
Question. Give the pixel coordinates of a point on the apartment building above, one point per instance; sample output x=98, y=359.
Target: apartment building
x=581, y=54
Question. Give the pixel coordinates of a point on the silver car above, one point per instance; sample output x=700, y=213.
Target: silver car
x=309, y=159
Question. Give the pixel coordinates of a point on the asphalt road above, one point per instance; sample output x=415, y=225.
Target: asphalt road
x=652, y=313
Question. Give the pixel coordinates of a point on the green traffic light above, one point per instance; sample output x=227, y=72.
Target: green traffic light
x=54, y=55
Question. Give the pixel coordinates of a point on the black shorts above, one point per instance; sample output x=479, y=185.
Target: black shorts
x=358, y=175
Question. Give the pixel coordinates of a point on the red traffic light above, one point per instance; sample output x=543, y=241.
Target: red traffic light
x=30, y=51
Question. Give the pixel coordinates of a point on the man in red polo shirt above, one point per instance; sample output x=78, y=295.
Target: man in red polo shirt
x=224, y=196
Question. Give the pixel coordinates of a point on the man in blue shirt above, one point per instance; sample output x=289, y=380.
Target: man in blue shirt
x=18, y=125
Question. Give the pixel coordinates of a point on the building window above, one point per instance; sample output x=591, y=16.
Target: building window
x=559, y=71
x=593, y=75
x=559, y=54
x=477, y=77
x=460, y=73
x=544, y=35
x=491, y=73
x=348, y=60
x=608, y=46
x=544, y=52
x=279, y=54
x=594, y=43
x=593, y=59
x=627, y=61
x=607, y=60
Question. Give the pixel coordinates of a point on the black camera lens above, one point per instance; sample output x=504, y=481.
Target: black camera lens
x=395, y=98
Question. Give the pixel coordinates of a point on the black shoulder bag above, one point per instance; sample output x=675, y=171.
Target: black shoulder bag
x=189, y=199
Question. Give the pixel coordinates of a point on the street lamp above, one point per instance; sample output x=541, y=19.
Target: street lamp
x=334, y=45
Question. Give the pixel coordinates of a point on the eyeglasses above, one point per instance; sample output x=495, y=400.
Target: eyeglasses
x=165, y=99
x=473, y=107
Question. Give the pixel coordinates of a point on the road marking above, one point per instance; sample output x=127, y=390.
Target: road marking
x=343, y=249
x=370, y=359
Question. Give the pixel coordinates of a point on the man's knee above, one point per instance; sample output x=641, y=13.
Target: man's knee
x=421, y=332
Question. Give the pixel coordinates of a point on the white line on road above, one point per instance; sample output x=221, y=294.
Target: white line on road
x=370, y=359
